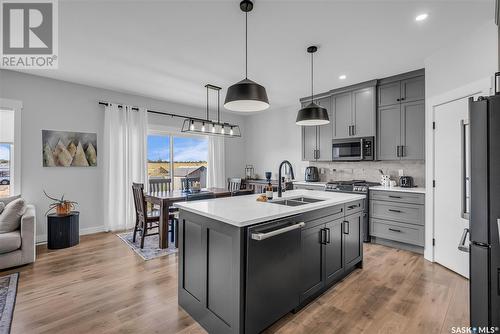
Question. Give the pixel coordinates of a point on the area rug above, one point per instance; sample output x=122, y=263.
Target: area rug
x=151, y=248
x=8, y=292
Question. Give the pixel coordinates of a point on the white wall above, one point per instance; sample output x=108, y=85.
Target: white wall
x=271, y=137
x=59, y=105
x=463, y=62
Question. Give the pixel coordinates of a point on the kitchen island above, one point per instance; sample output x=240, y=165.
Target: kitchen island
x=244, y=264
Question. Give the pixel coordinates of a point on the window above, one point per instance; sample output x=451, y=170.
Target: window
x=188, y=153
x=7, y=137
x=5, y=169
x=190, y=160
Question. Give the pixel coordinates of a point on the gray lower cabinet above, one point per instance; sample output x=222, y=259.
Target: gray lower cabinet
x=398, y=218
x=331, y=248
x=401, y=131
x=231, y=283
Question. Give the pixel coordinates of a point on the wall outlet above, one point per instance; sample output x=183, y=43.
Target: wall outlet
x=401, y=172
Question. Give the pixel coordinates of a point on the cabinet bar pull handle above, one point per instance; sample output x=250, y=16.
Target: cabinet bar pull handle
x=393, y=210
x=322, y=236
x=397, y=151
x=327, y=235
x=263, y=236
x=394, y=230
x=350, y=207
x=346, y=227
x=392, y=196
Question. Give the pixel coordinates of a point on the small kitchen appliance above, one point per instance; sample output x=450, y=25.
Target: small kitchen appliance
x=312, y=174
x=353, y=149
x=406, y=182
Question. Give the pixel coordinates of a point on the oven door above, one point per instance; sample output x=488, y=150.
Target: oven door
x=352, y=149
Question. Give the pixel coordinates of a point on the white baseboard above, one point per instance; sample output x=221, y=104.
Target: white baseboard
x=42, y=239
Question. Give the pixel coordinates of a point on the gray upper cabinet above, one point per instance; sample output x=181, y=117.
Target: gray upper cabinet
x=309, y=142
x=389, y=94
x=325, y=132
x=413, y=89
x=317, y=140
x=401, y=91
x=342, y=106
x=401, y=117
x=355, y=113
x=389, y=132
x=413, y=130
x=363, y=112
x=401, y=131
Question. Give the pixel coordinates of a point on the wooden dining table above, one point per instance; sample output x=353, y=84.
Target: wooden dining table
x=165, y=200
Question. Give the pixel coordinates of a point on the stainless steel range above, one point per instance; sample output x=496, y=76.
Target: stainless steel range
x=355, y=187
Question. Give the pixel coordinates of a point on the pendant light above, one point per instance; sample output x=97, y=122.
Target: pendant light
x=246, y=95
x=312, y=114
x=209, y=127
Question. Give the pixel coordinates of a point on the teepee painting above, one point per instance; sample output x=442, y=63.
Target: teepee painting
x=69, y=149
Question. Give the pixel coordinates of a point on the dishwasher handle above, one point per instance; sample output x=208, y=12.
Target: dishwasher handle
x=263, y=236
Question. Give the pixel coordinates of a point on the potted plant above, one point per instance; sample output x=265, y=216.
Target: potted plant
x=62, y=206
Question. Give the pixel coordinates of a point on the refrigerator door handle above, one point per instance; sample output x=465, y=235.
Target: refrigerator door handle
x=498, y=226
x=461, y=245
x=464, y=210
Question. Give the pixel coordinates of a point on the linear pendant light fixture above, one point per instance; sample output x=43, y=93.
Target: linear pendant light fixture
x=208, y=127
x=312, y=114
x=246, y=95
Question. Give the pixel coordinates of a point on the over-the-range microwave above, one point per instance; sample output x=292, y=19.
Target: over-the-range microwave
x=353, y=149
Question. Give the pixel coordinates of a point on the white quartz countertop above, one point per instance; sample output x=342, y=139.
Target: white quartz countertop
x=305, y=183
x=419, y=190
x=245, y=210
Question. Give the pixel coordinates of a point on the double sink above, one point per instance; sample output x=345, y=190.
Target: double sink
x=296, y=201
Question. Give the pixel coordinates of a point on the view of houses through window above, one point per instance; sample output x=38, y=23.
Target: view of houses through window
x=5, y=169
x=188, y=154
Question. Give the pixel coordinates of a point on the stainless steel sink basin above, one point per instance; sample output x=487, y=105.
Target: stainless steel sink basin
x=288, y=202
x=296, y=201
x=308, y=199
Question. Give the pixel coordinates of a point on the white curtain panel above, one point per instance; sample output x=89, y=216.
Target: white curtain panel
x=125, y=146
x=216, y=162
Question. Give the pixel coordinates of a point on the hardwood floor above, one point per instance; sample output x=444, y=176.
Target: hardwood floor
x=101, y=286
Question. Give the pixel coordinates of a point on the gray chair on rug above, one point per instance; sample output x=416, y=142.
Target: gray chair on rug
x=17, y=241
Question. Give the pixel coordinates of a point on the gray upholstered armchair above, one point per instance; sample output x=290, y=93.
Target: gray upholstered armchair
x=18, y=247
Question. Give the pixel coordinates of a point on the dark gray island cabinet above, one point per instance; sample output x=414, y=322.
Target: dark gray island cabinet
x=241, y=277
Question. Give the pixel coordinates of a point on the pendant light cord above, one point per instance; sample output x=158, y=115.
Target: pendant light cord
x=246, y=45
x=207, y=103
x=312, y=76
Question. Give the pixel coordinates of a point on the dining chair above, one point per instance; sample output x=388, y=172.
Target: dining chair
x=157, y=185
x=234, y=183
x=144, y=222
x=187, y=182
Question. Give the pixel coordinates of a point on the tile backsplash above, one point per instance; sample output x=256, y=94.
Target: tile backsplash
x=369, y=170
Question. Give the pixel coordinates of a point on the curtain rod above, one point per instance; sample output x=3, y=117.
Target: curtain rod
x=164, y=113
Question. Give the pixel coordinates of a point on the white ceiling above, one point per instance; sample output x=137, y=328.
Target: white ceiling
x=171, y=49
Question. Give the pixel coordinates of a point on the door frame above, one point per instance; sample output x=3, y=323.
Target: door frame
x=484, y=87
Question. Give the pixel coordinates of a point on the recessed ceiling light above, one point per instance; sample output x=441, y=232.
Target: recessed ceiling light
x=421, y=17
x=342, y=77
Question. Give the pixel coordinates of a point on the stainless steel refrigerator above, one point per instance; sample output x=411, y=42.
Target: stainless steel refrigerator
x=484, y=118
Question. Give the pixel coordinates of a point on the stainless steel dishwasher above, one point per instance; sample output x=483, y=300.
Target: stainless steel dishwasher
x=272, y=272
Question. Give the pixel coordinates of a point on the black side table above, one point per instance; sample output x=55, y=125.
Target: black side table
x=63, y=231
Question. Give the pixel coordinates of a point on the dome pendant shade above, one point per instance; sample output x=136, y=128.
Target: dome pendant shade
x=312, y=115
x=246, y=96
